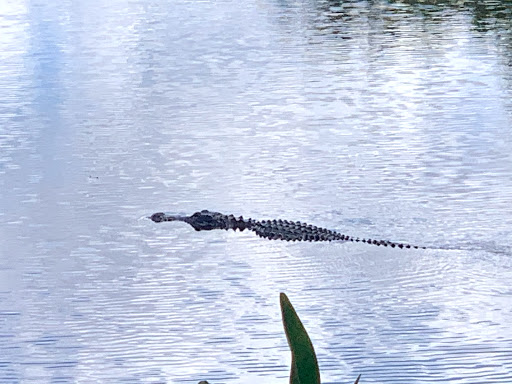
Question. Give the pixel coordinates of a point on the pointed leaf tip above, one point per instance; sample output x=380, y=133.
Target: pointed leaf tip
x=304, y=363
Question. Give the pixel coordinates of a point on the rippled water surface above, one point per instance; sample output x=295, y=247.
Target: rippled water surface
x=379, y=119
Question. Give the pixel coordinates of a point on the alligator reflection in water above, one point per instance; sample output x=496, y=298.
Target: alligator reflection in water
x=270, y=229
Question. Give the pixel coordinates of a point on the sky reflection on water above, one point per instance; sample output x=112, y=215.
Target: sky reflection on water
x=379, y=119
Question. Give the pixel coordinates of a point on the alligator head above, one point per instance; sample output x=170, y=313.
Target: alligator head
x=200, y=221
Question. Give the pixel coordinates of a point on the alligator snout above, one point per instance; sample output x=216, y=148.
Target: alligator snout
x=158, y=217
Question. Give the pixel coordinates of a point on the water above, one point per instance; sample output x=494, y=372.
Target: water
x=379, y=119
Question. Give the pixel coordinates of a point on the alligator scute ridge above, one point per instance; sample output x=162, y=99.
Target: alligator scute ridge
x=270, y=229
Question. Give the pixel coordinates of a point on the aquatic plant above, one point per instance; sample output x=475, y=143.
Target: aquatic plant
x=304, y=368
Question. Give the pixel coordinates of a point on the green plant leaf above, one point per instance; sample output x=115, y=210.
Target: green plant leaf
x=304, y=364
x=294, y=376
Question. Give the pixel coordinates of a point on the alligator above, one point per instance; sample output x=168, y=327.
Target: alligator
x=269, y=229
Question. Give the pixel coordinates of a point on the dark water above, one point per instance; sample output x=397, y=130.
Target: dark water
x=379, y=119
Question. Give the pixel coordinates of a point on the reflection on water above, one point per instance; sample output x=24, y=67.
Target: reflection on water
x=379, y=119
